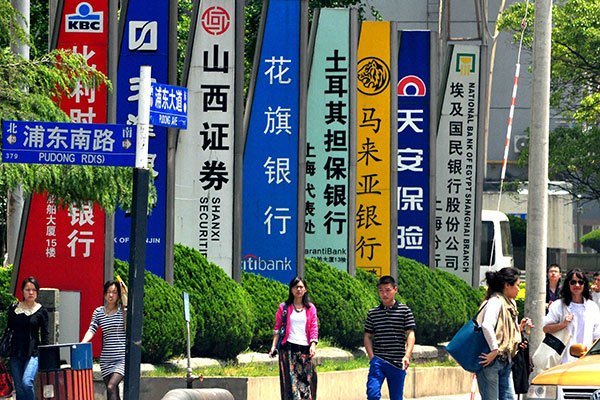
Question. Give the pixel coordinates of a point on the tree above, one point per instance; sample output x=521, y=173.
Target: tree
x=574, y=89
x=28, y=90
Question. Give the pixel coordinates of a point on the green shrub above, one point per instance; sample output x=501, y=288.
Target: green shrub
x=591, y=240
x=436, y=299
x=342, y=303
x=6, y=297
x=163, y=326
x=266, y=295
x=222, y=303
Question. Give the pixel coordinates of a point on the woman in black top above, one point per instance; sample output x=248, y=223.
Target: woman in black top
x=29, y=321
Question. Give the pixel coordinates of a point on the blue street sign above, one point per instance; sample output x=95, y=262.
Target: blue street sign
x=32, y=142
x=169, y=106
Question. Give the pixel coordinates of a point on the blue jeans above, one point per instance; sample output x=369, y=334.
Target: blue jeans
x=495, y=382
x=378, y=371
x=23, y=371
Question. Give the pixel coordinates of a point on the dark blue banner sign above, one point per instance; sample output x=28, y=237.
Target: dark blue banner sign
x=169, y=106
x=270, y=198
x=413, y=146
x=144, y=42
x=30, y=142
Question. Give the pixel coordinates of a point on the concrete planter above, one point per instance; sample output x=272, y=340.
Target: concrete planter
x=338, y=385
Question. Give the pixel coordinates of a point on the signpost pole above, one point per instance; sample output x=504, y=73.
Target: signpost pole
x=137, y=257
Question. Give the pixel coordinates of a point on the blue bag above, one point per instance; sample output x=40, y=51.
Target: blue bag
x=467, y=345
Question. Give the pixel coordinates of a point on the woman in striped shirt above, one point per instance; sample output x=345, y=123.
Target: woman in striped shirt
x=111, y=319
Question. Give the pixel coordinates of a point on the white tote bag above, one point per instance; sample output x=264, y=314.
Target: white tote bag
x=552, y=348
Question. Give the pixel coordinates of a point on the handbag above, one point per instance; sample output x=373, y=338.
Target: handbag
x=467, y=345
x=550, y=351
x=283, y=326
x=522, y=368
x=6, y=342
x=6, y=383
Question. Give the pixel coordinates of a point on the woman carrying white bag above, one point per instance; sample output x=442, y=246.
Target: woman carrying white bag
x=575, y=312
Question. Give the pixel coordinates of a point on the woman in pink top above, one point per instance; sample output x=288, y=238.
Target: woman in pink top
x=295, y=337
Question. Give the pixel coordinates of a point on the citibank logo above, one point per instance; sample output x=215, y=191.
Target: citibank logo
x=143, y=35
x=250, y=262
x=84, y=20
x=412, y=85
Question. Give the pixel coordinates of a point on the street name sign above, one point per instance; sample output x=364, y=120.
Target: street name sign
x=32, y=142
x=169, y=106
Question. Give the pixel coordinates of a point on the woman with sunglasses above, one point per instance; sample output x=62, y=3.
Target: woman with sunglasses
x=575, y=311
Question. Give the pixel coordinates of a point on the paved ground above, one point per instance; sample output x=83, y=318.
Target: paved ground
x=466, y=396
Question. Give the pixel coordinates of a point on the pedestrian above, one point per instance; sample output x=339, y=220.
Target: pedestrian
x=552, y=284
x=574, y=311
x=298, y=318
x=502, y=332
x=29, y=321
x=111, y=319
x=596, y=289
x=389, y=340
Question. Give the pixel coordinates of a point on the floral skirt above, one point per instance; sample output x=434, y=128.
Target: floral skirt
x=297, y=373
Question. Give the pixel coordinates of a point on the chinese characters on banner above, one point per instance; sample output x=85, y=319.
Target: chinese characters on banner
x=205, y=151
x=413, y=146
x=455, y=216
x=328, y=140
x=145, y=41
x=73, y=260
x=270, y=176
x=373, y=163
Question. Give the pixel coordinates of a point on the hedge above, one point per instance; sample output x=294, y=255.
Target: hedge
x=342, y=303
x=222, y=303
x=163, y=327
x=266, y=295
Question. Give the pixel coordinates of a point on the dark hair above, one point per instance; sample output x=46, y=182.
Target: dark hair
x=553, y=265
x=108, y=284
x=384, y=280
x=496, y=280
x=596, y=274
x=290, y=299
x=30, y=279
x=565, y=291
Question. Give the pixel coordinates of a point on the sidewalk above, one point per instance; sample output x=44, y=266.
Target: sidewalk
x=466, y=396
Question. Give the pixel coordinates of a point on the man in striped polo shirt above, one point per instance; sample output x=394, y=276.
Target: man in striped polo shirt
x=389, y=341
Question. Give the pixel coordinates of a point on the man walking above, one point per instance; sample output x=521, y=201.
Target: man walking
x=389, y=341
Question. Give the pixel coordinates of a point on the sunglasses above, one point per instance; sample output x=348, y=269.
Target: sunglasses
x=574, y=282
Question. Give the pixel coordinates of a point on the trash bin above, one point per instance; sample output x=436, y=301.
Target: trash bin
x=68, y=379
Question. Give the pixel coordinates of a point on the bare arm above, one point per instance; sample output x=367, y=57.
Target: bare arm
x=410, y=345
x=87, y=337
x=368, y=342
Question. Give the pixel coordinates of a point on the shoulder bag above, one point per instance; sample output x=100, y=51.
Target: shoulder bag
x=467, y=345
x=550, y=351
x=6, y=342
x=283, y=326
x=6, y=383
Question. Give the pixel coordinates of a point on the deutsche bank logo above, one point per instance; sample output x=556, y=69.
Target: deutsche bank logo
x=84, y=20
x=143, y=35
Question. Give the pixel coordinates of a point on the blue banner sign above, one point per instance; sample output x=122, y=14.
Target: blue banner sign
x=31, y=142
x=169, y=106
x=270, y=197
x=413, y=146
x=144, y=41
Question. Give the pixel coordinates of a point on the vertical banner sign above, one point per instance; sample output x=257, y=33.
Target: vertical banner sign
x=64, y=247
x=328, y=140
x=456, y=157
x=204, y=158
x=413, y=146
x=144, y=41
x=270, y=198
x=373, y=160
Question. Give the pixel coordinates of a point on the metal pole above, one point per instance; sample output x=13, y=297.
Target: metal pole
x=137, y=255
x=15, y=195
x=537, y=204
